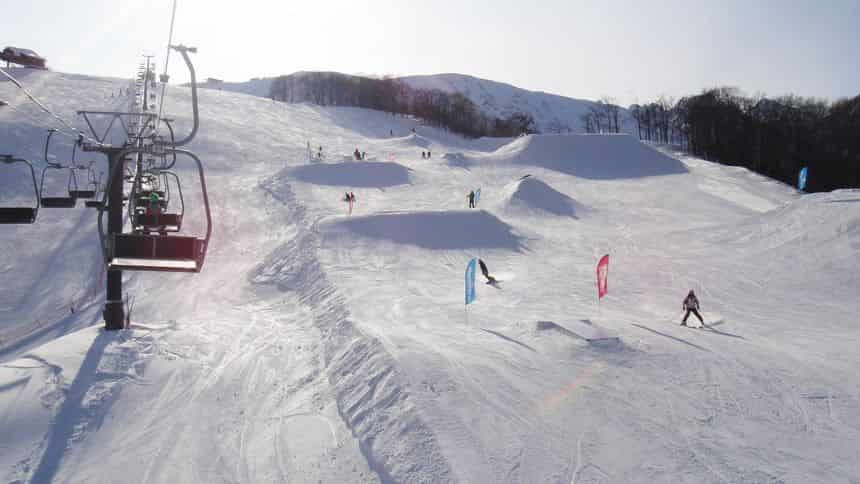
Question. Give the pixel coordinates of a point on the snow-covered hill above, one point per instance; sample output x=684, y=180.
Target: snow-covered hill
x=552, y=113
x=259, y=87
x=316, y=346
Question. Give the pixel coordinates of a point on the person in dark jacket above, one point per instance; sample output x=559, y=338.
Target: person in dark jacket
x=472, y=199
x=691, y=305
x=486, y=273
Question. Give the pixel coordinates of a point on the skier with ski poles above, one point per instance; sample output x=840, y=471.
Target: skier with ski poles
x=691, y=305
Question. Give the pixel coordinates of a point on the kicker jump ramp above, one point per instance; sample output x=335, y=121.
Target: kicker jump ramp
x=582, y=329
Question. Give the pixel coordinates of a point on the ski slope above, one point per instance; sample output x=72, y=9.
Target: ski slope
x=321, y=347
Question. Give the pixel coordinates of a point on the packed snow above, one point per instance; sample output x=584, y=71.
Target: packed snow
x=317, y=346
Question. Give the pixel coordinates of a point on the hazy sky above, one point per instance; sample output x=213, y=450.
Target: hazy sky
x=631, y=50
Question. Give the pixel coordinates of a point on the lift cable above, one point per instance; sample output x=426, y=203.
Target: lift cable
x=164, y=76
x=46, y=109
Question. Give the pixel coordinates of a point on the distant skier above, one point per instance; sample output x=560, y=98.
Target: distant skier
x=349, y=197
x=428, y=154
x=423, y=155
x=691, y=305
x=357, y=154
x=472, y=199
x=486, y=273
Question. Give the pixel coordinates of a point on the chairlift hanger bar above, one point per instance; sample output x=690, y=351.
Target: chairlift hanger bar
x=21, y=215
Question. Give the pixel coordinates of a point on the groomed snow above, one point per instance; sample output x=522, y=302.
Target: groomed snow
x=321, y=347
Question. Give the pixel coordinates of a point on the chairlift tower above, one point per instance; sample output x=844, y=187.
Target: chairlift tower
x=125, y=251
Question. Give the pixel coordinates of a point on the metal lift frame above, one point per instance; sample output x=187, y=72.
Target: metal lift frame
x=20, y=215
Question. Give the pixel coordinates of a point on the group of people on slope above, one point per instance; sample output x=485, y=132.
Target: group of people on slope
x=425, y=156
x=359, y=155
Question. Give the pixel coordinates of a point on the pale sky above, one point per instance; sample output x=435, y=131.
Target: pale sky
x=630, y=50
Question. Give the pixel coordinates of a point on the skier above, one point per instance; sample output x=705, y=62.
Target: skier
x=428, y=154
x=423, y=155
x=357, y=154
x=691, y=305
x=472, y=199
x=490, y=279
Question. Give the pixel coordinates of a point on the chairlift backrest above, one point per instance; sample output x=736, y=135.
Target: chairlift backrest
x=67, y=201
x=21, y=214
x=150, y=252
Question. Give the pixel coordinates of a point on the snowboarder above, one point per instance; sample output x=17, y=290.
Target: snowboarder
x=691, y=305
x=486, y=273
x=472, y=199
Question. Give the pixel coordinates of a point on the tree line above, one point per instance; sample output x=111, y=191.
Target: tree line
x=772, y=136
x=451, y=111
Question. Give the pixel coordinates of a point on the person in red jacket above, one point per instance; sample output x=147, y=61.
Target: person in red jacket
x=691, y=305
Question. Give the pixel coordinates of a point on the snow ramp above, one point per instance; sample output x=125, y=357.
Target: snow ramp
x=596, y=157
x=369, y=174
x=531, y=195
x=448, y=230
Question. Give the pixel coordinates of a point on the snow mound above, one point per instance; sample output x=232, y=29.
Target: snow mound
x=531, y=194
x=358, y=174
x=597, y=157
x=413, y=139
x=457, y=160
x=451, y=230
x=812, y=221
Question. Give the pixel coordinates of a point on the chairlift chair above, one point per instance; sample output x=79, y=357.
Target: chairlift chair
x=20, y=215
x=69, y=201
x=146, y=220
x=92, y=183
x=137, y=251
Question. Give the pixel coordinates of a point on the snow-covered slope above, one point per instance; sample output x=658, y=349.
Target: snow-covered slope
x=259, y=87
x=321, y=347
x=552, y=113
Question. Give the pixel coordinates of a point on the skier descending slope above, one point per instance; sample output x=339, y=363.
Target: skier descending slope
x=691, y=305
